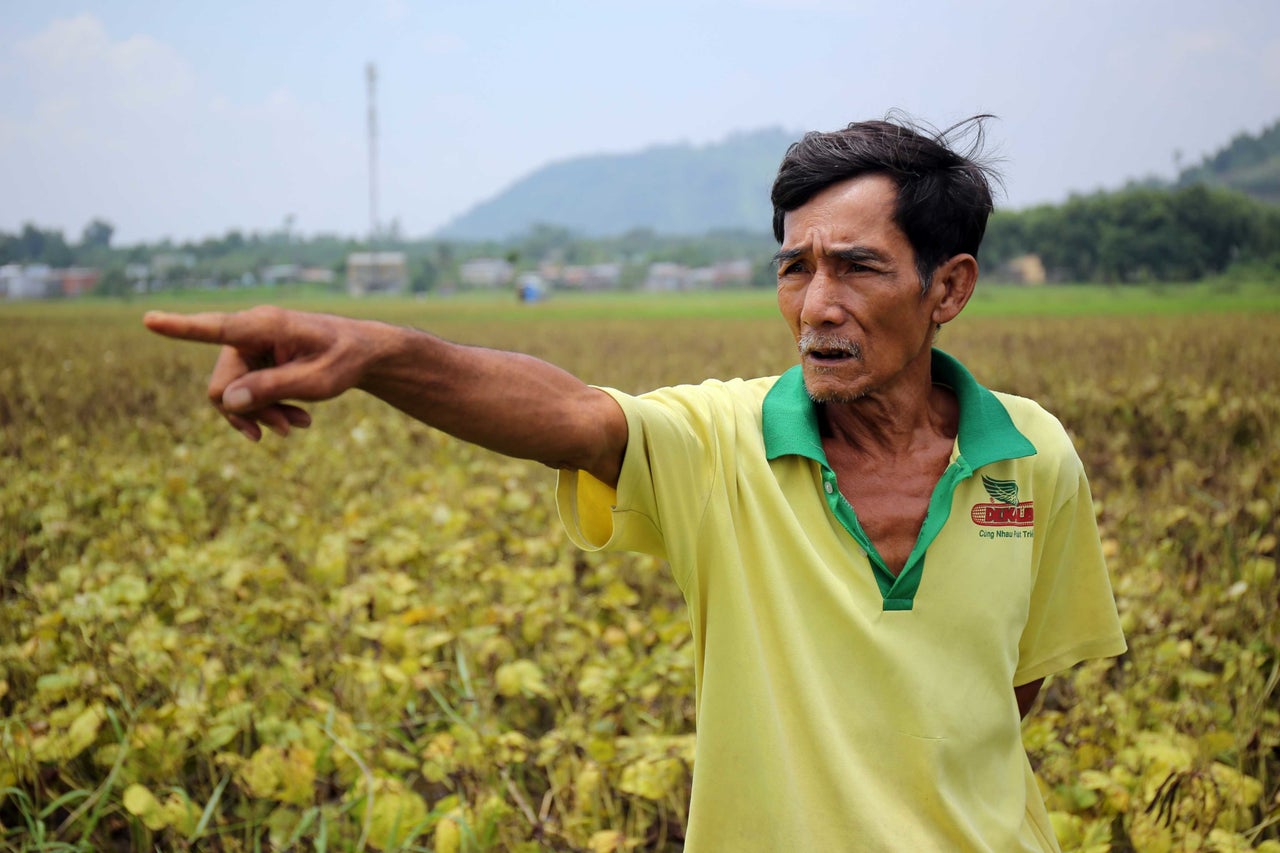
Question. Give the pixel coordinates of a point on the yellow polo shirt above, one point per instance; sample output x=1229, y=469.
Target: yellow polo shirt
x=839, y=707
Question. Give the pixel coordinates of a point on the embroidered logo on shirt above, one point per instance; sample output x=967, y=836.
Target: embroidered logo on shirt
x=1005, y=510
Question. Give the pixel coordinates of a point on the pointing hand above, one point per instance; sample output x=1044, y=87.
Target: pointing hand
x=270, y=355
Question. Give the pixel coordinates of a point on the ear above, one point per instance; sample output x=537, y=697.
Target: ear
x=955, y=279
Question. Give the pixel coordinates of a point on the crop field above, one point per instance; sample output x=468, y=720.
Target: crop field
x=370, y=636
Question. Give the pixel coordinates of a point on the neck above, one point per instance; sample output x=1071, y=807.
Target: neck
x=893, y=421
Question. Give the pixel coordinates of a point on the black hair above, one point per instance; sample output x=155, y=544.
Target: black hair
x=944, y=195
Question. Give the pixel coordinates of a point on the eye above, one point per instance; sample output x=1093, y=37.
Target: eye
x=794, y=268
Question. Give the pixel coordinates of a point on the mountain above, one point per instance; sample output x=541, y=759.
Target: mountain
x=670, y=189
x=1249, y=163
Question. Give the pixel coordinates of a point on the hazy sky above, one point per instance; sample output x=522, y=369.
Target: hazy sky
x=187, y=119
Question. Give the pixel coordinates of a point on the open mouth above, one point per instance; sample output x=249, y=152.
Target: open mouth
x=829, y=355
x=827, y=349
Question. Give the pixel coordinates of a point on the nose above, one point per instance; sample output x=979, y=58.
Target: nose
x=822, y=305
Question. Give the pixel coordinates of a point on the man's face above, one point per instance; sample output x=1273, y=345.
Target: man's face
x=849, y=290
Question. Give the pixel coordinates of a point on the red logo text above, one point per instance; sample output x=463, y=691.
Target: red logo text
x=1003, y=515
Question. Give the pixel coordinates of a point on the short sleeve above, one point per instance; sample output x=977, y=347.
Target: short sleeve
x=672, y=451
x=1072, y=615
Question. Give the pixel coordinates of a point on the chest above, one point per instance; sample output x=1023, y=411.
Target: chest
x=890, y=499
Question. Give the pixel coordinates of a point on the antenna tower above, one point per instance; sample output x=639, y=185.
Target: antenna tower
x=371, y=77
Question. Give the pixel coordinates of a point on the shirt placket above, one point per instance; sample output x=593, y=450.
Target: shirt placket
x=898, y=593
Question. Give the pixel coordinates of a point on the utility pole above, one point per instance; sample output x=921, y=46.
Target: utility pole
x=371, y=77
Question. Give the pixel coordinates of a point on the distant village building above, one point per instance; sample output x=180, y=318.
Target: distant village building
x=731, y=273
x=1024, y=269
x=284, y=273
x=169, y=265
x=702, y=278
x=317, y=275
x=32, y=281
x=39, y=281
x=606, y=276
x=280, y=273
x=137, y=275
x=666, y=277
x=551, y=270
x=486, y=272
x=78, y=281
x=377, y=272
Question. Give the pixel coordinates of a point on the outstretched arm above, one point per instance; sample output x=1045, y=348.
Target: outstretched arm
x=509, y=402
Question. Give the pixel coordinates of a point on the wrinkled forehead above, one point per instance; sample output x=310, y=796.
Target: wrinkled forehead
x=860, y=210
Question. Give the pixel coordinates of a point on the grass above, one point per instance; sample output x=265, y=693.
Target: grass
x=990, y=300
x=1068, y=300
x=167, y=574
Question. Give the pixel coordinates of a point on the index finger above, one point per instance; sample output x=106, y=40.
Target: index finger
x=210, y=327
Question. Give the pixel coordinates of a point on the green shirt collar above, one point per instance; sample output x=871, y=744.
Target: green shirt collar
x=986, y=432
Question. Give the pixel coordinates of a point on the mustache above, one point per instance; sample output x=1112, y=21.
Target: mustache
x=811, y=342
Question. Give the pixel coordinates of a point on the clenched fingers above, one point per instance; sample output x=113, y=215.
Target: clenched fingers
x=230, y=366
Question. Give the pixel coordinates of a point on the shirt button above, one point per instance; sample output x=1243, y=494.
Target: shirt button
x=830, y=488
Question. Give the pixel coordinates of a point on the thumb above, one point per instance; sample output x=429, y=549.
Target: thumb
x=294, y=380
x=237, y=398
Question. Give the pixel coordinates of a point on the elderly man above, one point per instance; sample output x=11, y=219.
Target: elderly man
x=882, y=559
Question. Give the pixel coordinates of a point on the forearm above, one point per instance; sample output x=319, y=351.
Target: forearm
x=508, y=402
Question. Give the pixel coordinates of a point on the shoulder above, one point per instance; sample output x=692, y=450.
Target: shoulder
x=711, y=413
x=1056, y=465
x=1041, y=427
x=710, y=398
x=720, y=389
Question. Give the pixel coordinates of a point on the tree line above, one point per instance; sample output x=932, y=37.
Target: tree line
x=1137, y=234
x=1141, y=233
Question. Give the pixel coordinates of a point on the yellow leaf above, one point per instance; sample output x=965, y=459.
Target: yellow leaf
x=56, y=685
x=1067, y=829
x=618, y=595
x=1234, y=785
x=261, y=774
x=180, y=814
x=586, y=786
x=521, y=678
x=1163, y=754
x=397, y=817
x=329, y=566
x=139, y=801
x=653, y=780
x=298, y=785
x=1260, y=571
x=1215, y=743
x=608, y=841
x=218, y=736
x=448, y=837
x=436, y=639
x=84, y=730
x=596, y=682
x=420, y=613
x=393, y=674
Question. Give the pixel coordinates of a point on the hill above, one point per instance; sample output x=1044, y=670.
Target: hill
x=1249, y=163
x=670, y=189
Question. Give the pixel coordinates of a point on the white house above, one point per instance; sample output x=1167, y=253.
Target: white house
x=377, y=272
x=33, y=281
x=486, y=272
